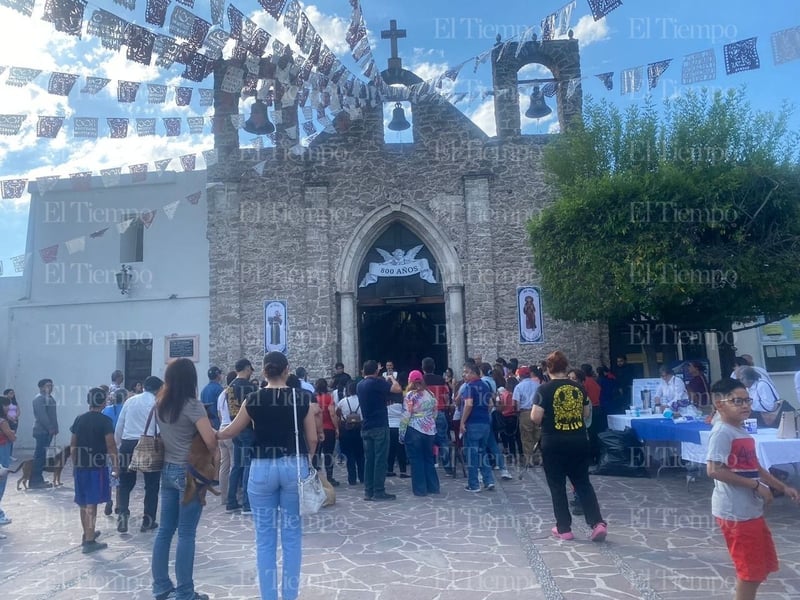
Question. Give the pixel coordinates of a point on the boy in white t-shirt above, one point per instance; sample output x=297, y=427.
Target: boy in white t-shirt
x=741, y=489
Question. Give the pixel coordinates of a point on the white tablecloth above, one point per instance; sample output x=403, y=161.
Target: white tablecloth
x=620, y=422
x=769, y=449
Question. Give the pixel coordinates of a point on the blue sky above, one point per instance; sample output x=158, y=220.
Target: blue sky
x=440, y=34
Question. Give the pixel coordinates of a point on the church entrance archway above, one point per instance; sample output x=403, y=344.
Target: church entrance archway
x=401, y=292
x=401, y=307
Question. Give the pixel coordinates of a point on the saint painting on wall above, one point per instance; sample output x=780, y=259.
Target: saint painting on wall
x=529, y=312
x=275, y=326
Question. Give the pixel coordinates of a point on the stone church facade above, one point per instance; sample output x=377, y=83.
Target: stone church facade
x=304, y=230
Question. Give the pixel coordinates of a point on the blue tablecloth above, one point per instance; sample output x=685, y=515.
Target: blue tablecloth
x=666, y=430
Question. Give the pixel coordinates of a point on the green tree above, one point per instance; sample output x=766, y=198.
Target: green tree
x=689, y=217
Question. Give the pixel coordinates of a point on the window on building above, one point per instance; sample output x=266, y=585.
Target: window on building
x=131, y=242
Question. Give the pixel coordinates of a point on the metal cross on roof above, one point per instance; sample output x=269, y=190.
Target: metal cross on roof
x=393, y=34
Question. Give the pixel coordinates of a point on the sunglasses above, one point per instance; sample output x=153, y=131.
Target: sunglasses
x=739, y=401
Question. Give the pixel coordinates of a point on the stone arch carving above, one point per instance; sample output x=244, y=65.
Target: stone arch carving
x=562, y=57
x=424, y=225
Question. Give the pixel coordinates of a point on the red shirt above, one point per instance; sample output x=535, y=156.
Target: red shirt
x=592, y=390
x=325, y=401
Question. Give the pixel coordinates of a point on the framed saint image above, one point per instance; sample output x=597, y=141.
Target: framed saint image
x=529, y=313
x=275, y=326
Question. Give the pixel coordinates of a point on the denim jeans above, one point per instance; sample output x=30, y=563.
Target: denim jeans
x=184, y=518
x=442, y=439
x=5, y=460
x=275, y=502
x=376, y=451
x=494, y=449
x=419, y=448
x=476, y=440
x=39, y=457
x=240, y=472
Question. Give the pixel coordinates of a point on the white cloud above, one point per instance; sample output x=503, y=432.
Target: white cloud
x=588, y=31
x=483, y=117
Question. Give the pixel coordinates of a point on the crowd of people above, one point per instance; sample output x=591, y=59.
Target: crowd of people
x=270, y=429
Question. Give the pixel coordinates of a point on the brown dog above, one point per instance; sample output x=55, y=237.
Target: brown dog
x=202, y=470
x=52, y=465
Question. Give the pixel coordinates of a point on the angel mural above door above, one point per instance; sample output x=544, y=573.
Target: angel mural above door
x=398, y=263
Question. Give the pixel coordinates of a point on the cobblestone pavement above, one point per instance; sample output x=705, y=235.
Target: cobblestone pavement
x=662, y=543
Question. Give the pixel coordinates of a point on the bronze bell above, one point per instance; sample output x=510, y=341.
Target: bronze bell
x=259, y=123
x=398, y=122
x=538, y=108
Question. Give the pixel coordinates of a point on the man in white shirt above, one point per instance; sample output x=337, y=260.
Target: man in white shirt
x=225, y=446
x=529, y=432
x=130, y=427
x=302, y=375
x=671, y=389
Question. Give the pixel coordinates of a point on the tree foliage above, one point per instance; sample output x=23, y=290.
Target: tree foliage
x=690, y=216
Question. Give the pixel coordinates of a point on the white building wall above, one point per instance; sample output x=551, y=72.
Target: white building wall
x=72, y=321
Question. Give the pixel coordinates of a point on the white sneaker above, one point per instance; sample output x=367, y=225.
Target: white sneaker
x=504, y=474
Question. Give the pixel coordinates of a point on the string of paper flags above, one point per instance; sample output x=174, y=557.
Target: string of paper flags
x=83, y=127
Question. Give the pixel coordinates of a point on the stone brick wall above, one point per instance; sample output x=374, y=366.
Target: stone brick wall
x=280, y=235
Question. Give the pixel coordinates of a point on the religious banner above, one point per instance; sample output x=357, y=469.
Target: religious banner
x=173, y=126
x=10, y=124
x=181, y=23
x=118, y=127
x=600, y=8
x=210, y=157
x=786, y=45
x=111, y=176
x=549, y=27
x=699, y=66
x=156, y=12
x=156, y=93
x=631, y=80
x=291, y=18
x=741, y=56
x=140, y=44
x=275, y=326
x=108, y=27
x=529, y=314
x=145, y=126
x=22, y=6
x=48, y=127
x=138, y=173
x=49, y=254
x=183, y=96
x=398, y=263
x=273, y=7
x=65, y=15
x=357, y=29
x=127, y=90
x=565, y=17
x=195, y=124
x=20, y=77
x=259, y=42
x=215, y=42
x=84, y=127
x=233, y=80
x=235, y=17
x=61, y=84
x=12, y=188
x=94, y=85
x=198, y=67
x=655, y=70
x=206, y=97
x=168, y=51
x=217, y=11
x=188, y=162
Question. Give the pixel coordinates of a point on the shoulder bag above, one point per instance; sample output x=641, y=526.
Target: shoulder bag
x=312, y=494
x=148, y=455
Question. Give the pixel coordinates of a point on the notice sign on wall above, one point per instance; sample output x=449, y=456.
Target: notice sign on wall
x=182, y=346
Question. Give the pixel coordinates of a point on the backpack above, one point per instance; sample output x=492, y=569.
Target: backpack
x=353, y=420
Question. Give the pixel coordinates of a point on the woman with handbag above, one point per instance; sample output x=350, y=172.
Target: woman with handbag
x=420, y=414
x=285, y=436
x=180, y=416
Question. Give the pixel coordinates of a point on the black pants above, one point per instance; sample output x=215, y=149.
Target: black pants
x=599, y=425
x=396, y=451
x=325, y=449
x=509, y=436
x=127, y=480
x=353, y=449
x=567, y=455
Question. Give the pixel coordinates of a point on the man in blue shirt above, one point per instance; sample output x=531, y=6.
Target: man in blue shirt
x=476, y=428
x=210, y=395
x=373, y=397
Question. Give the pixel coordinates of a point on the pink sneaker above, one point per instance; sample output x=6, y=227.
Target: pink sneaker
x=599, y=532
x=562, y=536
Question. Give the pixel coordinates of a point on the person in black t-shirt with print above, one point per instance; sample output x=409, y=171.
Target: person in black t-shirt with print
x=91, y=443
x=560, y=408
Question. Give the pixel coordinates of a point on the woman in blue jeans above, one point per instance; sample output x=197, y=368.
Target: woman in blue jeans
x=272, y=486
x=420, y=410
x=180, y=416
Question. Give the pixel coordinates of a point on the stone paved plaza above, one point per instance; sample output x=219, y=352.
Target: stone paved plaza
x=457, y=546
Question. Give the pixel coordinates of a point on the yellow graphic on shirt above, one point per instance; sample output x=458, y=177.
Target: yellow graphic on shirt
x=568, y=408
